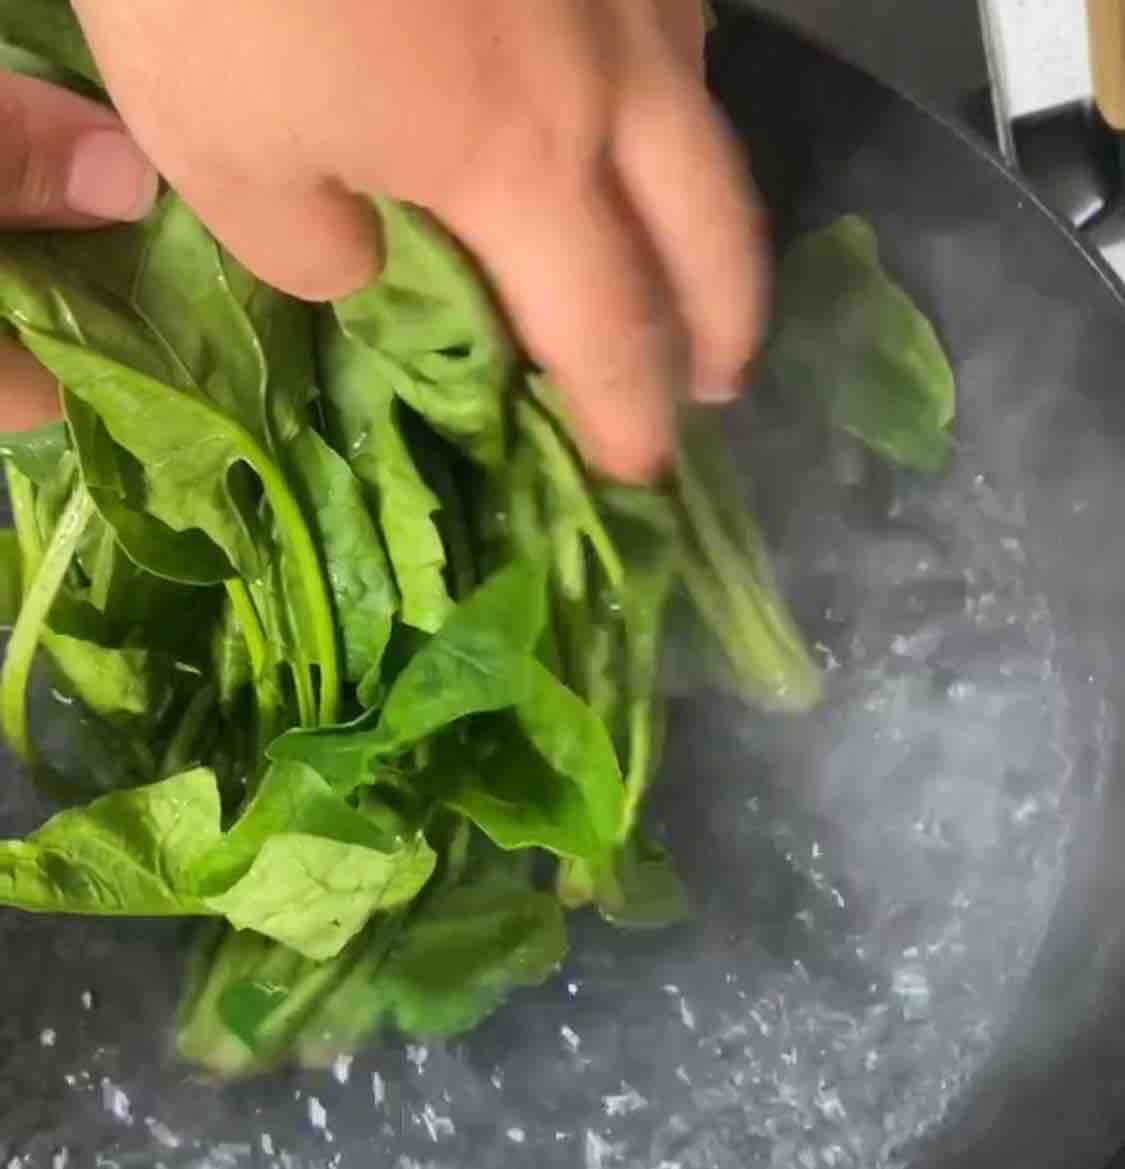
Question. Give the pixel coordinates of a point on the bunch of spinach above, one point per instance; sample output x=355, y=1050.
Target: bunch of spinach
x=368, y=655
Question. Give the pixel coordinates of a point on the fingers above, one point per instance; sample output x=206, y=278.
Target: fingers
x=686, y=28
x=66, y=161
x=689, y=184
x=29, y=395
x=314, y=241
x=584, y=294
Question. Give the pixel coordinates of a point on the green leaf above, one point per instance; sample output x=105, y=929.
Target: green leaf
x=478, y=661
x=187, y=451
x=109, y=681
x=36, y=452
x=291, y=798
x=366, y=420
x=641, y=889
x=50, y=29
x=510, y=792
x=343, y=756
x=181, y=289
x=848, y=335
x=305, y=868
x=447, y=350
x=575, y=744
x=300, y=866
x=436, y=971
x=358, y=573
x=314, y=894
x=451, y=966
x=128, y=853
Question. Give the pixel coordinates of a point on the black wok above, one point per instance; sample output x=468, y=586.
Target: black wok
x=910, y=949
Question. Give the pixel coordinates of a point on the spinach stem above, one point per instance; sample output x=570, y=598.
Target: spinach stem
x=39, y=598
x=561, y=470
x=751, y=623
x=179, y=751
x=640, y=764
x=21, y=495
x=291, y=522
x=261, y=663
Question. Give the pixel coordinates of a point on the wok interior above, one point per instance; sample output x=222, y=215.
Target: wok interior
x=875, y=881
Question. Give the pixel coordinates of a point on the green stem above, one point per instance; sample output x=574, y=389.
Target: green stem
x=179, y=752
x=640, y=764
x=261, y=662
x=39, y=598
x=749, y=619
x=21, y=495
x=561, y=470
x=303, y=685
x=291, y=522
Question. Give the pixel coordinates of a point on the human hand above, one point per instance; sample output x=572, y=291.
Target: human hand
x=64, y=162
x=570, y=144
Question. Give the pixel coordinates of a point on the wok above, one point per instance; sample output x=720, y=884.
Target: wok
x=910, y=945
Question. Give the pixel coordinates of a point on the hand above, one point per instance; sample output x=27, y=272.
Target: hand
x=570, y=144
x=64, y=162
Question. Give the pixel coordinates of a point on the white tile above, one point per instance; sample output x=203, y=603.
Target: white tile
x=1041, y=52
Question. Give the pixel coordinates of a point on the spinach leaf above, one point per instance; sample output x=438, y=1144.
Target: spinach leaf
x=313, y=893
x=451, y=966
x=36, y=452
x=245, y=998
x=510, y=792
x=478, y=661
x=50, y=29
x=128, y=853
x=181, y=289
x=575, y=744
x=436, y=971
x=365, y=417
x=635, y=888
x=358, y=574
x=157, y=850
x=343, y=756
x=109, y=681
x=847, y=334
x=446, y=349
x=291, y=798
x=186, y=450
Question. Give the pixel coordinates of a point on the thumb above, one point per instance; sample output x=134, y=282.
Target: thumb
x=66, y=161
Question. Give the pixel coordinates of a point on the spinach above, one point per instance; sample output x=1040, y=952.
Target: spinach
x=365, y=418
x=49, y=29
x=359, y=661
x=311, y=881
x=854, y=340
x=126, y=853
x=437, y=971
x=446, y=350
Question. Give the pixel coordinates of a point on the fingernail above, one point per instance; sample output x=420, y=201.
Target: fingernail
x=718, y=395
x=110, y=178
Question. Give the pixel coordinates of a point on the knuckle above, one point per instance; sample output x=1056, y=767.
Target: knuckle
x=26, y=188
